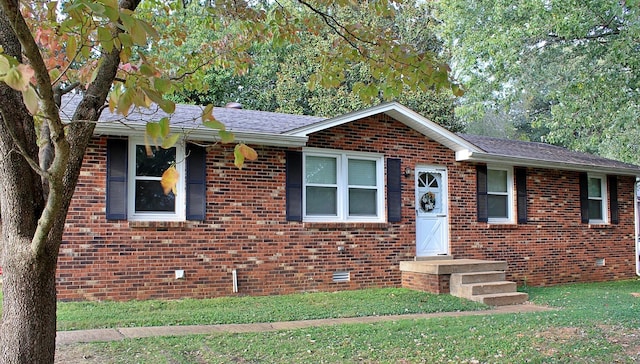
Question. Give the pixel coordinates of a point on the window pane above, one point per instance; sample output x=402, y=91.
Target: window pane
x=498, y=206
x=497, y=181
x=320, y=170
x=156, y=164
x=595, y=210
x=362, y=173
x=322, y=201
x=595, y=187
x=150, y=197
x=362, y=202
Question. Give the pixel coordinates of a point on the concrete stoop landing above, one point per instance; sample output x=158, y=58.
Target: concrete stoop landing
x=477, y=280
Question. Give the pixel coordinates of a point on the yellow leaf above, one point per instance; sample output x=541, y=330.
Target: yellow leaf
x=4, y=64
x=169, y=180
x=246, y=151
x=31, y=100
x=238, y=158
x=72, y=48
x=18, y=77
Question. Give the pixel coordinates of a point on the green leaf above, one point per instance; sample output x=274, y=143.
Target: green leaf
x=125, y=101
x=105, y=38
x=225, y=136
x=153, y=130
x=164, y=127
x=168, y=106
x=54, y=73
x=214, y=124
x=146, y=70
x=95, y=7
x=161, y=84
x=138, y=34
x=170, y=141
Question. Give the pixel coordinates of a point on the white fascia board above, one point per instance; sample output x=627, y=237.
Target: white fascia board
x=205, y=135
x=469, y=156
x=401, y=113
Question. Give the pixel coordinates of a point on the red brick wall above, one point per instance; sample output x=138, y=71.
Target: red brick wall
x=246, y=229
x=434, y=283
x=554, y=246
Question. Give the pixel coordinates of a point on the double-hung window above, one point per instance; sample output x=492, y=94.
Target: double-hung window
x=147, y=199
x=500, y=194
x=343, y=186
x=597, y=199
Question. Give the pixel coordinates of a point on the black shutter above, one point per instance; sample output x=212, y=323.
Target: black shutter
x=584, y=198
x=394, y=190
x=481, y=193
x=117, y=151
x=521, y=194
x=294, y=185
x=196, y=182
x=612, y=181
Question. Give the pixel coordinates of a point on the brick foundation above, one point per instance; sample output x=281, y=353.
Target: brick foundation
x=433, y=283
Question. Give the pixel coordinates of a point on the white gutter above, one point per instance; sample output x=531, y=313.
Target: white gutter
x=205, y=135
x=468, y=156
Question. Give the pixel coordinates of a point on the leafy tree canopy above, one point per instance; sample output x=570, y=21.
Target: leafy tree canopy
x=565, y=72
x=291, y=76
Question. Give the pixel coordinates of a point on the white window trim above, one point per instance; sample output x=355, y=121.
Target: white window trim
x=604, y=198
x=342, y=182
x=510, y=219
x=180, y=213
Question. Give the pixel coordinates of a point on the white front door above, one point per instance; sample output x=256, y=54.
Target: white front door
x=432, y=229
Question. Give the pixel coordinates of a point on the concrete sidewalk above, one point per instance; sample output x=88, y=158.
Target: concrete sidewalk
x=83, y=336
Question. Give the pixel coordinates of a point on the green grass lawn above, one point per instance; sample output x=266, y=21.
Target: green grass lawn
x=594, y=323
x=226, y=310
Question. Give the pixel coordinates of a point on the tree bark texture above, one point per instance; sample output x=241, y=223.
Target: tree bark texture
x=34, y=204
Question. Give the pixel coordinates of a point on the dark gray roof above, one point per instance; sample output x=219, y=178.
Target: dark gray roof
x=188, y=116
x=541, y=152
x=275, y=126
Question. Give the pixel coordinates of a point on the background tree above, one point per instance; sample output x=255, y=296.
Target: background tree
x=103, y=47
x=275, y=79
x=566, y=72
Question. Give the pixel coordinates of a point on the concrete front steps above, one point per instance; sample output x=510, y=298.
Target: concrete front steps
x=473, y=279
x=488, y=287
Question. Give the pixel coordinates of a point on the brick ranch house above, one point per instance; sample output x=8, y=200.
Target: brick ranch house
x=335, y=204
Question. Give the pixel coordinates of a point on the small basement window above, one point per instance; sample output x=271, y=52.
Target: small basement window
x=341, y=276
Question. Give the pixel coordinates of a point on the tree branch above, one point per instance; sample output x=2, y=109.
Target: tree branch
x=339, y=29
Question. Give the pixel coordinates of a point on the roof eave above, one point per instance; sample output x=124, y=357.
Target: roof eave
x=470, y=156
x=207, y=135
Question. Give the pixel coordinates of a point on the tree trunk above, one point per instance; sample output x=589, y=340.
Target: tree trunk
x=33, y=220
x=29, y=308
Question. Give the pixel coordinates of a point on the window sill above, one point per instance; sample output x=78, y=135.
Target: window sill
x=345, y=225
x=502, y=226
x=602, y=226
x=162, y=224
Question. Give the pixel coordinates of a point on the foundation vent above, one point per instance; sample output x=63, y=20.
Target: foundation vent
x=341, y=276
